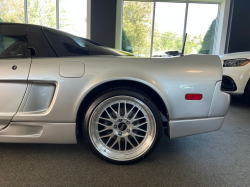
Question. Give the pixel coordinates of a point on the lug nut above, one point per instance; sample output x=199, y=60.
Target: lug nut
x=115, y=126
x=120, y=133
x=128, y=130
x=120, y=120
x=127, y=122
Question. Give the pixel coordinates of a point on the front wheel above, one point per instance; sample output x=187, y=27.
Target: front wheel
x=123, y=126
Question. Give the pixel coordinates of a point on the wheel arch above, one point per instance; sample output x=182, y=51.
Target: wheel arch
x=97, y=89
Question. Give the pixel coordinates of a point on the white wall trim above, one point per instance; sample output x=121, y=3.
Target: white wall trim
x=89, y=19
x=185, y=24
x=57, y=14
x=26, y=11
x=222, y=28
x=153, y=31
x=118, y=29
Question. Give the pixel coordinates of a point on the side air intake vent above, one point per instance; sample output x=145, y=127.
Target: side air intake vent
x=40, y=98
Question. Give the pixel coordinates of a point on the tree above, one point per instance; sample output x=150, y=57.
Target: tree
x=166, y=41
x=137, y=23
x=12, y=11
x=207, y=44
x=193, y=43
x=40, y=12
x=171, y=41
x=126, y=44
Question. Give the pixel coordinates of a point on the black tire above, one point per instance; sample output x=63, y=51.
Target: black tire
x=120, y=92
x=247, y=93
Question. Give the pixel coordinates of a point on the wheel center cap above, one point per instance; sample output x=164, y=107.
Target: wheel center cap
x=122, y=126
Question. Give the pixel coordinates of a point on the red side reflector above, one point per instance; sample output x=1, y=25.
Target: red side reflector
x=193, y=96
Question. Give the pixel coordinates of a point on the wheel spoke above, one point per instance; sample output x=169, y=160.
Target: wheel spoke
x=135, y=114
x=102, y=124
x=119, y=110
x=130, y=110
x=138, y=135
x=114, y=143
x=135, y=139
x=105, y=136
x=139, y=129
x=139, y=118
x=138, y=125
x=103, y=130
x=110, y=117
x=119, y=143
x=125, y=109
x=114, y=111
x=126, y=142
x=130, y=142
x=110, y=138
x=106, y=119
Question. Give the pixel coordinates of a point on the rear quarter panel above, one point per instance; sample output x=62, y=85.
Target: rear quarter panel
x=171, y=78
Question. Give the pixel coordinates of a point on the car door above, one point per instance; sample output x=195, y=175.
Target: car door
x=15, y=60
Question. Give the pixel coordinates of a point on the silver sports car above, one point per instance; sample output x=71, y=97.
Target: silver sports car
x=59, y=88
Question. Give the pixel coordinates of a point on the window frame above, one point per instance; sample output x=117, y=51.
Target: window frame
x=220, y=29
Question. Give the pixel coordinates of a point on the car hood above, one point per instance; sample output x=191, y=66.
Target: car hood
x=235, y=55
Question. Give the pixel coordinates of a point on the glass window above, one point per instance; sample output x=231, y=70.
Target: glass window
x=12, y=11
x=13, y=47
x=42, y=12
x=73, y=19
x=137, y=27
x=169, y=26
x=201, y=25
x=169, y=23
x=70, y=45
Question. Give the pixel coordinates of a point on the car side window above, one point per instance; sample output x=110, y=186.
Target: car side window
x=69, y=45
x=13, y=47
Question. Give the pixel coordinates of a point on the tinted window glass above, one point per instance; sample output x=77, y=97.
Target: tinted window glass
x=69, y=45
x=13, y=47
x=38, y=42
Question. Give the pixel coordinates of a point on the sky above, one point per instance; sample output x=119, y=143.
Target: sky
x=76, y=14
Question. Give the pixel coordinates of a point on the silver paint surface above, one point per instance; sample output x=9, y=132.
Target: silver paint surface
x=23, y=132
x=171, y=78
x=40, y=97
x=220, y=102
x=13, y=85
x=195, y=126
x=72, y=69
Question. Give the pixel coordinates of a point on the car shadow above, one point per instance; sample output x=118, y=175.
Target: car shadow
x=238, y=101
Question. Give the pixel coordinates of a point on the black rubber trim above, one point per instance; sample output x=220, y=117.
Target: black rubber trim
x=228, y=84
